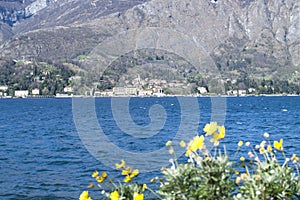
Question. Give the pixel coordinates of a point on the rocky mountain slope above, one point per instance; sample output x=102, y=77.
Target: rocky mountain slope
x=244, y=38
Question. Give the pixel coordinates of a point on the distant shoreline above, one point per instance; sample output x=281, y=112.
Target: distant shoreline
x=150, y=96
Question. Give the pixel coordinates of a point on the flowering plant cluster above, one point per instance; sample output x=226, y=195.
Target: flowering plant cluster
x=264, y=173
x=116, y=191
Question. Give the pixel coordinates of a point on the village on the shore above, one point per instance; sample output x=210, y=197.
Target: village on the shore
x=136, y=87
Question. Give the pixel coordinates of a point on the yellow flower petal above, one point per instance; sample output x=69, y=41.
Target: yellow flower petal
x=100, y=179
x=127, y=179
x=188, y=152
x=210, y=128
x=114, y=195
x=85, y=196
x=144, y=187
x=95, y=174
x=221, y=132
x=278, y=145
x=240, y=143
x=134, y=173
x=104, y=174
x=242, y=159
x=197, y=143
x=125, y=172
x=215, y=137
x=262, y=150
x=269, y=148
x=119, y=166
x=137, y=196
x=295, y=158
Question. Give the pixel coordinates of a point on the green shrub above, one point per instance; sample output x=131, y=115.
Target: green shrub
x=210, y=174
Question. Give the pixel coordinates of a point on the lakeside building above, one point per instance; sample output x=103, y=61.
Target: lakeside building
x=68, y=89
x=202, y=90
x=21, y=93
x=145, y=92
x=237, y=92
x=35, y=92
x=106, y=93
x=121, y=91
x=3, y=88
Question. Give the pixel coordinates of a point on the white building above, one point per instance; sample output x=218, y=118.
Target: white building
x=251, y=90
x=242, y=93
x=202, y=90
x=68, y=89
x=3, y=88
x=35, y=92
x=145, y=92
x=21, y=93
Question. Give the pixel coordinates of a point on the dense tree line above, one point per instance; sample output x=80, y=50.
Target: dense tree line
x=50, y=78
x=263, y=86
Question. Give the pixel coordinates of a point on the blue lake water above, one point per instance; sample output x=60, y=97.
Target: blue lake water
x=43, y=157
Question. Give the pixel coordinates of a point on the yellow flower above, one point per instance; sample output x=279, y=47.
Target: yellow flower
x=242, y=159
x=218, y=136
x=221, y=132
x=210, y=128
x=144, y=187
x=127, y=179
x=119, y=166
x=169, y=143
x=295, y=158
x=114, y=195
x=100, y=179
x=269, y=148
x=196, y=143
x=207, y=159
x=95, y=174
x=240, y=143
x=278, y=145
x=137, y=196
x=104, y=174
x=134, y=173
x=215, y=137
x=125, y=172
x=182, y=143
x=85, y=196
x=262, y=150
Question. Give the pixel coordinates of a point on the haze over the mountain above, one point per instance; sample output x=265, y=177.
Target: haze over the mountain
x=254, y=38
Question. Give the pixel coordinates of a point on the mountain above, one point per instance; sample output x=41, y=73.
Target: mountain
x=5, y=32
x=253, y=39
